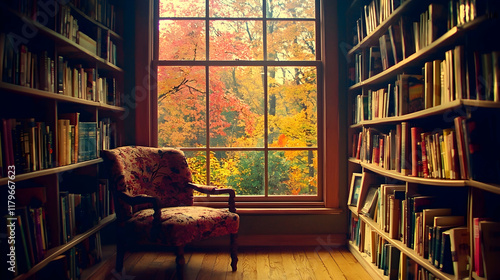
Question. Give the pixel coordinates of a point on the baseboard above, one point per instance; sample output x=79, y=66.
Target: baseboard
x=302, y=240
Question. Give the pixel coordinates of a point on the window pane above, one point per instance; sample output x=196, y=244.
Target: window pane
x=236, y=8
x=293, y=173
x=290, y=9
x=236, y=106
x=181, y=106
x=197, y=161
x=182, y=40
x=242, y=171
x=291, y=40
x=292, y=107
x=182, y=8
x=236, y=40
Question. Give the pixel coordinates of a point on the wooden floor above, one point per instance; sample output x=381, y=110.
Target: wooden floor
x=254, y=263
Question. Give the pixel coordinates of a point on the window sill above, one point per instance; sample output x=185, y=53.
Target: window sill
x=289, y=211
x=269, y=208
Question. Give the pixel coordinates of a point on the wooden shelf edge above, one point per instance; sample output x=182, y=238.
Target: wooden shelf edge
x=54, y=252
x=55, y=96
x=416, y=57
x=48, y=171
x=407, y=251
x=418, y=180
x=440, y=109
x=370, y=267
x=493, y=188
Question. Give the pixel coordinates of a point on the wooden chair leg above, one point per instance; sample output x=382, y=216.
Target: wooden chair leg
x=120, y=255
x=234, y=251
x=180, y=261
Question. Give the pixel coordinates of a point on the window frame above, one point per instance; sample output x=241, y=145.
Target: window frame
x=327, y=197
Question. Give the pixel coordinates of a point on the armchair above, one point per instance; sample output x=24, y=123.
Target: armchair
x=153, y=194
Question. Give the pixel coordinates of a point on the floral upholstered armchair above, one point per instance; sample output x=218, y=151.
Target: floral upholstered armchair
x=153, y=193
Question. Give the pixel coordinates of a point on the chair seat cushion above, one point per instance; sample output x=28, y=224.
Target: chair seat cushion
x=184, y=224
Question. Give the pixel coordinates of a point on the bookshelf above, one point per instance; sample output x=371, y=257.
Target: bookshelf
x=428, y=140
x=61, y=82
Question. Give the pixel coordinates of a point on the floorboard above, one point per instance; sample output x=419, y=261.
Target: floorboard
x=254, y=263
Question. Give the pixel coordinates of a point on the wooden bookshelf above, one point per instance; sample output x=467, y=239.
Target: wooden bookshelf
x=56, y=251
x=475, y=198
x=46, y=76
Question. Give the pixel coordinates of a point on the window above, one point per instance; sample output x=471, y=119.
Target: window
x=239, y=82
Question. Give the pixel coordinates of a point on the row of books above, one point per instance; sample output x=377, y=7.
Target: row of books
x=80, y=212
x=32, y=240
x=102, y=11
x=70, y=265
x=407, y=37
x=423, y=222
x=387, y=257
x=429, y=225
x=432, y=23
x=84, y=83
x=26, y=144
x=456, y=77
x=68, y=25
x=99, y=44
x=38, y=70
x=29, y=145
x=466, y=151
x=372, y=15
x=80, y=141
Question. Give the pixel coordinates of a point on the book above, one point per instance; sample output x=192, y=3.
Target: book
x=374, y=62
x=74, y=120
x=478, y=255
x=427, y=222
x=490, y=247
x=416, y=152
x=396, y=44
x=370, y=202
x=460, y=250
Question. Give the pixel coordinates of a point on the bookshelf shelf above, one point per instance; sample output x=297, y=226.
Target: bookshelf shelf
x=7, y=88
x=418, y=58
x=49, y=171
x=398, y=176
x=365, y=261
x=59, y=250
x=455, y=75
x=493, y=188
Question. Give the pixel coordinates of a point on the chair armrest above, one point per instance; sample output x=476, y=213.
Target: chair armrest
x=214, y=190
x=141, y=199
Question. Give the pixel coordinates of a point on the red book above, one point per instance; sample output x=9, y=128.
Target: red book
x=398, y=148
x=360, y=140
x=416, y=151
x=381, y=151
x=478, y=256
x=425, y=166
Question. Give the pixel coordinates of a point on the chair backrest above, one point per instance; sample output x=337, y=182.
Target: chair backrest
x=160, y=172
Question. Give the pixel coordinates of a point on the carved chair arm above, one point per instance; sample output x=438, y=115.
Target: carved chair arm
x=142, y=199
x=214, y=190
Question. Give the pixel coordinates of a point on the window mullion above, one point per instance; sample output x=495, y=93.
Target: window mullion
x=207, y=90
